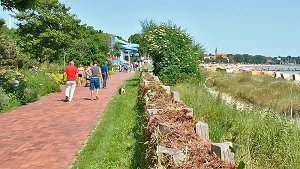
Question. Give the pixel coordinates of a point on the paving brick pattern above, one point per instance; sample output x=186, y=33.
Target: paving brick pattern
x=46, y=134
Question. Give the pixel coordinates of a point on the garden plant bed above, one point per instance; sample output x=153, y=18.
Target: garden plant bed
x=171, y=131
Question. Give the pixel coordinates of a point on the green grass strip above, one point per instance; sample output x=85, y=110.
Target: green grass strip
x=261, y=139
x=118, y=140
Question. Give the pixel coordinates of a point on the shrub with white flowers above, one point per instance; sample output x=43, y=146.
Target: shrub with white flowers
x=174, y=53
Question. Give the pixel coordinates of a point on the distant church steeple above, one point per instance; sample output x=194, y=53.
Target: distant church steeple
x=216, y=51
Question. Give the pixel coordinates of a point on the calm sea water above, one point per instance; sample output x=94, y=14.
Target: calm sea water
x=290, y=69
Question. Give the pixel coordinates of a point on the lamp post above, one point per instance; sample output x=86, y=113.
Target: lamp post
x=64, y=59
x=129, y=56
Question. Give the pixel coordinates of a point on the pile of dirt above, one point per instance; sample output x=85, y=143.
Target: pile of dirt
x=178, y=133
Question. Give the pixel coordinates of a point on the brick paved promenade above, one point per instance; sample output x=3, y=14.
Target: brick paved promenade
x=46, y=134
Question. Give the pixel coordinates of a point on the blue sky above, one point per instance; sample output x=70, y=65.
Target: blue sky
x=266, y=27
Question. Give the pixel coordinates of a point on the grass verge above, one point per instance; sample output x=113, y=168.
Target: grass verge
x=278, y=95
x=261, y=139
x=118, y=140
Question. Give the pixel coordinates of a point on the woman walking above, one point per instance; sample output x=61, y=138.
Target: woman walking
x=80, y=74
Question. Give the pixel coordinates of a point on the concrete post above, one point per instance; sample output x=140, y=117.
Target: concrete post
x=150, y=94
x=156, y=78
x=202, y=130
x=223, y=151
x=167, y=88
x=152, y=112
x=146, y=83
x=175, y=95
x=177, y=155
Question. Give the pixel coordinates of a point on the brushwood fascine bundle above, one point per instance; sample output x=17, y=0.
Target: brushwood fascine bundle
x=174, y=140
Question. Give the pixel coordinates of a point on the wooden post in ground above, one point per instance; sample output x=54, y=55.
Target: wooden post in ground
x=175, y=95
x=223, y=151
x=202, y=130
x=167, y=88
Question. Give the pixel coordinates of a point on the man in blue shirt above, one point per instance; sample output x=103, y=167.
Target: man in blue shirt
x=104, y=70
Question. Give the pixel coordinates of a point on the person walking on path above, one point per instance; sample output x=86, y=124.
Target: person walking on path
x=94, y=73
x=72, y=75
x=87, y=75
x=104, y=70
x=50, y=136
x=80, y=74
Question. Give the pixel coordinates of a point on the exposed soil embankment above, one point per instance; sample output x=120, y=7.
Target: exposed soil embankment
x=171, y=131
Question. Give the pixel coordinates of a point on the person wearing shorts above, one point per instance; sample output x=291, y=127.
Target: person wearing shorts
x=80, y=74
x=95, y=74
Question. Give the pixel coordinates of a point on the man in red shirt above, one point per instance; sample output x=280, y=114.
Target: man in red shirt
x=71, y=73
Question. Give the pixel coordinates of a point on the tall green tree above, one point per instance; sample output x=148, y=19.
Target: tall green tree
x=220, y=59
x=4, y=30
x=297, y=60
x=2, y=22
x=238, y=58
x=259, y=59
x=247, y=58
x=47, y=30
x=138, y=39
x=20, y=5
x=9, y=53
x=92, y=46
x=116, y=51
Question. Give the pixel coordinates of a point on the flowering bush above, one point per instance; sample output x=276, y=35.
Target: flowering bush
x=9, y=76
x=174, y=52
x=32, y=84
x=39, y=83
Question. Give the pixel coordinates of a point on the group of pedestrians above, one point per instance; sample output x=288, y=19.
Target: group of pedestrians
x=126, y=67
x=95, y=73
